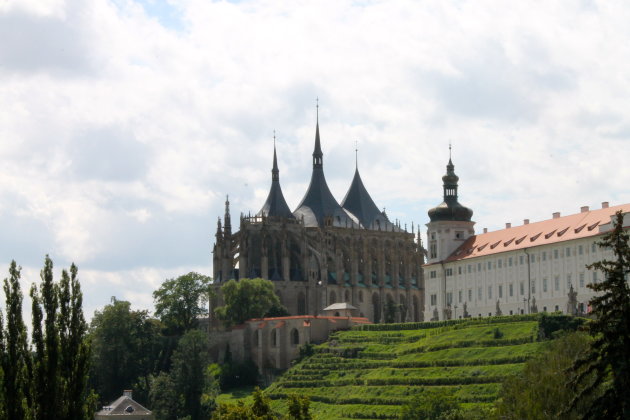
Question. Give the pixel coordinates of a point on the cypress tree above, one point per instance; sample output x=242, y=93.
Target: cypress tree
x=74, y=349
x=608, y=355
x=15, y=357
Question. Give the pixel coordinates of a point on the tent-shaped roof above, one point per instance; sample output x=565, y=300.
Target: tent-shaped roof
x=318, y=202
x=358, y=202
x=276, y=205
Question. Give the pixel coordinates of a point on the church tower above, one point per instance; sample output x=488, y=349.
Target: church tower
x=450, y=223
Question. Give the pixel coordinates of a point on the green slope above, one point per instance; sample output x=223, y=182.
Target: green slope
x=370, y=371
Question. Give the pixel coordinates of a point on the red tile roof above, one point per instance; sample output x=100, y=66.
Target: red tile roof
x=574, y=226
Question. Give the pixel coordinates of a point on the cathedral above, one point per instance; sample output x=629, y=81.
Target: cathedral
x=325, y=252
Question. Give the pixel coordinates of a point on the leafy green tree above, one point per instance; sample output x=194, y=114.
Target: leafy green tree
x=190, y=362
x=246, y=299
x=127, y=348
x=298, y=408
x=431, y=406
x=46, y=341
x=47, y=381
x=608, y=358
x=166, y=402
x=75, y=349
x=179, y=302
x=191, y=386
x=540, y=391
x=14, y=356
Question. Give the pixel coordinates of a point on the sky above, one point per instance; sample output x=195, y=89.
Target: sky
x=125, y=123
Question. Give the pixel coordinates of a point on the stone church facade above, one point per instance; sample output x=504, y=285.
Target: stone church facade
x=325, y=252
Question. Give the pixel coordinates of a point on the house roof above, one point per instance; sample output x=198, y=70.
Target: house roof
x=339, y=306
x=124, y=406
x=581, y=225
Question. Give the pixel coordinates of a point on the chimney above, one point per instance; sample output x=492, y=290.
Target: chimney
x=485, y=230
x=128, y=393
x=604, y=204
x=584, y=209
x=526, y=221
x=508, y=225
x=556, y=215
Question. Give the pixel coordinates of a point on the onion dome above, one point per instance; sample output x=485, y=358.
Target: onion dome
x=318, y=204
x=276, y=205
x=450, y=209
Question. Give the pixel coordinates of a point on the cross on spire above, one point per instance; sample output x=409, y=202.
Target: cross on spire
x=356, y=153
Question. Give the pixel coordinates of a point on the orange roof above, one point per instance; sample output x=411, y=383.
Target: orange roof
x=574, y=226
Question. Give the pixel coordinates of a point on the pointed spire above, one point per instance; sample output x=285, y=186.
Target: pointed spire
x=276, y=205
x=275, y=173
x=226, y=218
x=317, y=153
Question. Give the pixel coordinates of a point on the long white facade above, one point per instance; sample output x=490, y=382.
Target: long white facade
x=533, y=267
x=536, y=278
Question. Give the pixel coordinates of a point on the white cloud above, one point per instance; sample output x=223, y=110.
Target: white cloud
x=126, y=123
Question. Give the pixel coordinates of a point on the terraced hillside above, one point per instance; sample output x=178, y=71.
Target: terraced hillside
x=370, y=371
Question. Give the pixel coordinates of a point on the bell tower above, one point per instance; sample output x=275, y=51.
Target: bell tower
x=450, y=223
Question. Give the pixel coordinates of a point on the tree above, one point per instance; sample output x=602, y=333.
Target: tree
x=47, y=381
x=14, y=356
x=540, y=391
x=189, y=373
x=246, y=299
x=433, y=406
x=165, y=400
x=260, y=409
x=179, y=302
x=75, y=349
x=127, y=348
x=190, y=388
x=299, y=408
x=607, y=358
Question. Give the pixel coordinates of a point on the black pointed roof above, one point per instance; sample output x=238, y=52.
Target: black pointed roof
x=358, y=202
x=318, y=202
x=276, y=205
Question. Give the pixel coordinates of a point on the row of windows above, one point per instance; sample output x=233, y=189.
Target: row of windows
x=511, y=289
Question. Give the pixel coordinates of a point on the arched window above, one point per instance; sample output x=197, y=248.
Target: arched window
x=333, y=298
x=360, y=296
x=295, y=337
x=274, y=338
x=347, y=296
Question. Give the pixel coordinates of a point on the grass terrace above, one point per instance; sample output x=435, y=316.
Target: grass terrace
x=370, y=371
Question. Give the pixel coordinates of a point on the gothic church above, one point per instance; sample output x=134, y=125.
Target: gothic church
x=325, y=252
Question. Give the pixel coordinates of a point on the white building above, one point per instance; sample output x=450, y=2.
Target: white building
x=520, y=269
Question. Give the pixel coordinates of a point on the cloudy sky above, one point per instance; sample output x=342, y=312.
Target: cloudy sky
x=124, y=123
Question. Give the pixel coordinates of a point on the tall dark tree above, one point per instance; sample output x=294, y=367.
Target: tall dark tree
x=179, y=302
x=46, y=342
x=127, y=347
x=608, y=358
x=190, y=362
x=75, y=350
x=15, y=357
